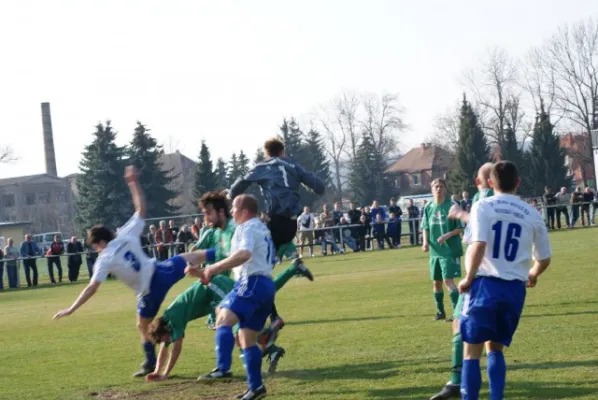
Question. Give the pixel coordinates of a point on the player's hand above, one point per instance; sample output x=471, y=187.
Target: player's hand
x=532, y=279
x=131, y=174
x=206, y=275
x=464, y=285
x=155, y=377
x=62, y=313
x=425, y=248
x=441, y=239
x=455, y=212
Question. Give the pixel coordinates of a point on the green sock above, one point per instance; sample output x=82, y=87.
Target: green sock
x=282, y=278
x=457, y=359
x=287, y=247
x=439, y=297
x=454, y=297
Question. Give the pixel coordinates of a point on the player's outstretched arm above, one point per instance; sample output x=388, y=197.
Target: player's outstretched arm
x=85, y=295
x=234, y=260
x=173, y=356
x=132, y=178
x=457, y=212
x=242, y=184
x=310, y=180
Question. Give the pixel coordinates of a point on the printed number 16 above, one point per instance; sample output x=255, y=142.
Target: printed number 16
x=511, y=245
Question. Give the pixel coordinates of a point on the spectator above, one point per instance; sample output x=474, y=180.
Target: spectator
x=337, y=214
x=465, y=203
x=393, y=231
x=145, y=245
x=563, y=200
x=174, y=231
x=354, y=214
x=588, y=199
x=362, y=238
x=90, y=259
x=326, y=218
x=196, y=228
x=348, y=240
x=305, y=225
x=534, y=203
x=380, y=231
x=30, y=251
x=394, y=208
x=11, y=255
x=368, y=220
x=326, y=239
x=377, y=210
x=54, y=252
x=164, y=240
x=151, y=238
x=576, y=201
x=184, y=238
x=550, y=201
x=74, y=248
x=455, y=199
x=413, y=213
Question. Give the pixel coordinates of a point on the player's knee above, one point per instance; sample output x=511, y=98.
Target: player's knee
x=449, y=283
x=456, y=328
x=493, y=346
x=437, y=286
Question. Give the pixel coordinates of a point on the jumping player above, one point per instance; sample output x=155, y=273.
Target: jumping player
x=198, y=301
x=122, y=256
x=279, y=179
x=252, y=259
x=441, y=237
x=453, y=388
x=503, y=230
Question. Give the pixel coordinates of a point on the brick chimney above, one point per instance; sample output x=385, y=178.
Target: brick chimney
x=48, y=141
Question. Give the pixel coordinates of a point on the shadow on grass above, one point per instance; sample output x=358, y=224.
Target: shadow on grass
x=560, y=314
x=562, y=303
x=353, y=319
x=551, y=390
x=514, y=365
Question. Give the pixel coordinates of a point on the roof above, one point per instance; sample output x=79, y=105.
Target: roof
x=422, y=158
x=17, y=223
x=27, y=178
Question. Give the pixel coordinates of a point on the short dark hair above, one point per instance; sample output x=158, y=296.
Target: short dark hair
x=248, y=202
x=439, y=181
x=505, y=176
x=99, y=233
x=158, y=328
x=217, y=200
x=274, y=147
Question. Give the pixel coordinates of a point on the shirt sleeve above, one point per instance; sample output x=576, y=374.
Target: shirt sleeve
x=478, y=224
x=542, y=249
x=101, y=269
x=246, y=240
x=424, y=225
x=134, y=226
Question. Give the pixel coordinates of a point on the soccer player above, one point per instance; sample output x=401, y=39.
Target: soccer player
x=198, y=301
x=441, y=238
x=122, y=256
x=503, y=230
x=252, y=259
x=453, y=387
x=279, y=179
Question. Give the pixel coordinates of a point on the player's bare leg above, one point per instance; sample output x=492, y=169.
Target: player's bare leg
x=453, y=293
x=148, y=347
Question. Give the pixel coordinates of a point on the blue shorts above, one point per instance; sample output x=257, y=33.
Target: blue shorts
x=251, y=300
x=491, y=310
x=165, y=276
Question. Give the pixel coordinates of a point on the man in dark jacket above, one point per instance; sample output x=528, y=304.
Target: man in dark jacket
x=393, y=231
x=54, y=253
x=413, y=212
x=74, y=248
x=550, y=202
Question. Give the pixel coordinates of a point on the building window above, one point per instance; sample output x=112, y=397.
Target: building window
x=8, y=200
x=416, y=179
x=30, y=199
x=44, y=198
x=60, y=196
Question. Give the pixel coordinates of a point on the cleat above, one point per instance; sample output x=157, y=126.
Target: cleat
x=240, y=396
x=216, y=375
x=259, y=393
x=440, y=316
x=449, y=391
x=451, y=319
x=269, y=335
x=302, y=270
x=276, y=353
x=145, y=370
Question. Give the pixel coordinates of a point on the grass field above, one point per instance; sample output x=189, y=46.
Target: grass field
x=363, y=330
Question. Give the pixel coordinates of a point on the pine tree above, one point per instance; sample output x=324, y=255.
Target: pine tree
x=221, y=173
x=368, y=179
x=317, y=163
x=254, y=189
x=145, y=153
x=547, y=158
x=472, y=151
x=233, y=171
x=206, y=177
x=292, y=136
x=103, y=194
x=511, y=151
x=243, y=162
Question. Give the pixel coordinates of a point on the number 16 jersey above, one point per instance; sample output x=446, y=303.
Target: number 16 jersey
x=513, y=231
x=124, y=258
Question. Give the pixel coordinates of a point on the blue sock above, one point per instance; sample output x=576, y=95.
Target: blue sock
x=471, y=380
x=150, y=354
x=253, y=363
x=497, y=374
x=225, y=342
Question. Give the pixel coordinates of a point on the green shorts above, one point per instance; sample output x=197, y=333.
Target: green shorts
x=458, y=307
x=444, y=268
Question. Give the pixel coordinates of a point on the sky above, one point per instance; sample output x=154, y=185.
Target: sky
x=228, y=72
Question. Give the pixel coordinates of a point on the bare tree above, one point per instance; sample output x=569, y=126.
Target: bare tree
x=446, y=129
x=7, y=155
x=334, y=144
x=383, y=122
x=172, y=145
x=347, y=108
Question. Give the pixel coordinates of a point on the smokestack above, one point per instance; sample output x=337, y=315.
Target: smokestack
x=48, y=140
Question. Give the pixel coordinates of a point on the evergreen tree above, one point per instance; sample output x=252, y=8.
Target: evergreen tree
x=103, y=194
x=234, y=170
x=368, y=179
x=243, y=162
x=259, y=156
x=145, y=153
x=206, y=177
x=317, y=162
x=472, y=151
x=255, y=189
x=221, y=173
x=292, y=137
x=511, y=151
x=547, y=158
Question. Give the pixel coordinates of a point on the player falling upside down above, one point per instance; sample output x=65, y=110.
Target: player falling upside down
x=505, y=233
x=198, y=301
x=122, y=256
x=441, y=238
x=453, y=387
x=279, y=179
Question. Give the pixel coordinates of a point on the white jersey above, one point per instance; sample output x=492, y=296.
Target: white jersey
x=512, y=230
x=125, y=258
x=254, y=237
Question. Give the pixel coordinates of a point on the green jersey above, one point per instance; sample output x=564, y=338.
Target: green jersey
x=197, y=301
x=436, y=221
x=219, y=239
x=481, y=194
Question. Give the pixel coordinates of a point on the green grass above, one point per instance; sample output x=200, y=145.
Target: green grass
x=363, y=330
